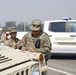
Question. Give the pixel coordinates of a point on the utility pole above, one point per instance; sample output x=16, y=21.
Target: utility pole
x=24, y=16
x=0, y=24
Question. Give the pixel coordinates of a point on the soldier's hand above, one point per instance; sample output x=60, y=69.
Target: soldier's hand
x=23, y=48
x=14, y=44
x=32, y=50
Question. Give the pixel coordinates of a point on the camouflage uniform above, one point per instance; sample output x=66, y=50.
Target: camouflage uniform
x=44, y=40
x=11, y=41
x=45, y=44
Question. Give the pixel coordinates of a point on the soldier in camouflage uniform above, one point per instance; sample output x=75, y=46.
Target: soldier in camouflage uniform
x=12, y=41
x=36, y=40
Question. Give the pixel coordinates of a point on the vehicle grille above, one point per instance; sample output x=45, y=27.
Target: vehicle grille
x=21, y=72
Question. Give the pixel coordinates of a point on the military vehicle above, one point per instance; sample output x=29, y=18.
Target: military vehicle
x=17, y=62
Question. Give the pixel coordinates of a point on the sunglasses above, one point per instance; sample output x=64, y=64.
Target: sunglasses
x=37, y=26
x=35, y=31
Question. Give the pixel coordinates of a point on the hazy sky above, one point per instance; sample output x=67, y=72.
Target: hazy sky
x=27, y=10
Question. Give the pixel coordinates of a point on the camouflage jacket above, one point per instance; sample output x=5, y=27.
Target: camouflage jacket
x=30, y=41
x=10, y=42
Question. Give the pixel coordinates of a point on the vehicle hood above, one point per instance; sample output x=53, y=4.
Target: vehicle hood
x=10, y=57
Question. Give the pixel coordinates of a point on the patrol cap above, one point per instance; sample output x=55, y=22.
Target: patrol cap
x=12, y=29
x=35, y=25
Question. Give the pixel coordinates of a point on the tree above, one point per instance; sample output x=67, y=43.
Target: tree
x=9, y=24
x=20, y=26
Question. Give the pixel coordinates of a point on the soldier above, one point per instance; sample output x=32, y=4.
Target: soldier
x=3, y=37
x=12, y=41
x=36, y=40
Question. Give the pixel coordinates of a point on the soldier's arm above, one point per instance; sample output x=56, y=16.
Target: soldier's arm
x=22, y=43
x=6, y=43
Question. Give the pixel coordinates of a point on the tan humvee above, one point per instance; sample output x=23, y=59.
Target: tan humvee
x=16, y=62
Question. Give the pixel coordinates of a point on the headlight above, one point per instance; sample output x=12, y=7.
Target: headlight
x=41, y=57
x=35, y=70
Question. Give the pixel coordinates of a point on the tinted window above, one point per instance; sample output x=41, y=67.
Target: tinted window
x=57, y=26
x=73, y=27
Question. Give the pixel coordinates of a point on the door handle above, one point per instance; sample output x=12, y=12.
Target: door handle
x=50, y=35
x=72, y=35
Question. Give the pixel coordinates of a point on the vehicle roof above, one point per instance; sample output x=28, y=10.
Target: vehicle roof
x=61, y=21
